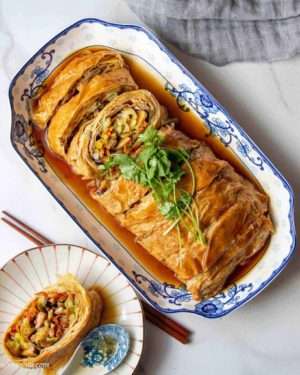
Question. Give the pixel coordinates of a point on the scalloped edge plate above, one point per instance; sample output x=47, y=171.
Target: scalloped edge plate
x=34, y=269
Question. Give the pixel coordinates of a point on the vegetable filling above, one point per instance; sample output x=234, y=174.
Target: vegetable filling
x=119, y=133
x=43, y=323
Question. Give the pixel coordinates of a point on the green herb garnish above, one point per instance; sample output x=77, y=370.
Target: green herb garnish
x=160, y=169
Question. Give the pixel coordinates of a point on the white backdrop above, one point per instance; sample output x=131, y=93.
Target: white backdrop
x=264, y=336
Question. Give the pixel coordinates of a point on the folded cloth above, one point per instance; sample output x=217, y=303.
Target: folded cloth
x=225, y=31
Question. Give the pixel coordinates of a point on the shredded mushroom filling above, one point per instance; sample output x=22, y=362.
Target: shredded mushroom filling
x=119, y=132
x=43, y=323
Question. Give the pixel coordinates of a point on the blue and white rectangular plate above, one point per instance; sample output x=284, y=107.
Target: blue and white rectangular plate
x=143, y=45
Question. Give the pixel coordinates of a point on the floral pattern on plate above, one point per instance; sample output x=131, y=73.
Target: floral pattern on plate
x=190, y=95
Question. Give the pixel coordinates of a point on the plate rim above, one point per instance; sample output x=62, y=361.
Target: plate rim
x=276, y=172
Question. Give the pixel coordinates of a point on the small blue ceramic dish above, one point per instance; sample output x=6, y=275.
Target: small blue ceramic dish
x=143, y=45
x=105, y=346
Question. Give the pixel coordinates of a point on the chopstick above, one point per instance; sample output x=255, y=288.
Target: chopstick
x=38, y=236
x=168, y=325
x=21, y=231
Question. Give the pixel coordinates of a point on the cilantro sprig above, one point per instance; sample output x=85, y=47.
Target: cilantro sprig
x=160, y=169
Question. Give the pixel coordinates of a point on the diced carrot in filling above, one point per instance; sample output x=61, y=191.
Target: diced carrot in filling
x=42, y=324
x=119, y=133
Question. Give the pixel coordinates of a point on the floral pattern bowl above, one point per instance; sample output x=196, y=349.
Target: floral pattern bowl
x=93, y=357
x=190, y=94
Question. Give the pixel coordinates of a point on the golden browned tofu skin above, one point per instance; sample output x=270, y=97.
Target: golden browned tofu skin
x=234, y=218
x=52, y=324
x=92, y=109
x=119, y=195
x=114, y=130
x=91, y=97
x=64, y=82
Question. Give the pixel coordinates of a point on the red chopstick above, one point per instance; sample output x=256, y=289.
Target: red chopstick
x=168, y=325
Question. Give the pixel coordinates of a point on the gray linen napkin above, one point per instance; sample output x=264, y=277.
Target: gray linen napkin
x=223, y=31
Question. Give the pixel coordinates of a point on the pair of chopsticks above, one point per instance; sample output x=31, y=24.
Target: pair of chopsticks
x=170, y=326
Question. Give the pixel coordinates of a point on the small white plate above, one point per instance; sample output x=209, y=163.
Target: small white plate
x=34, y=269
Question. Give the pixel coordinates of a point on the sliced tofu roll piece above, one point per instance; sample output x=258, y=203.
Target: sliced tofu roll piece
x=64, y=82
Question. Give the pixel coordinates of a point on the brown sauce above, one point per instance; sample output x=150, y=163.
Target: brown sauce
x=110, y=309
x=191, y=125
